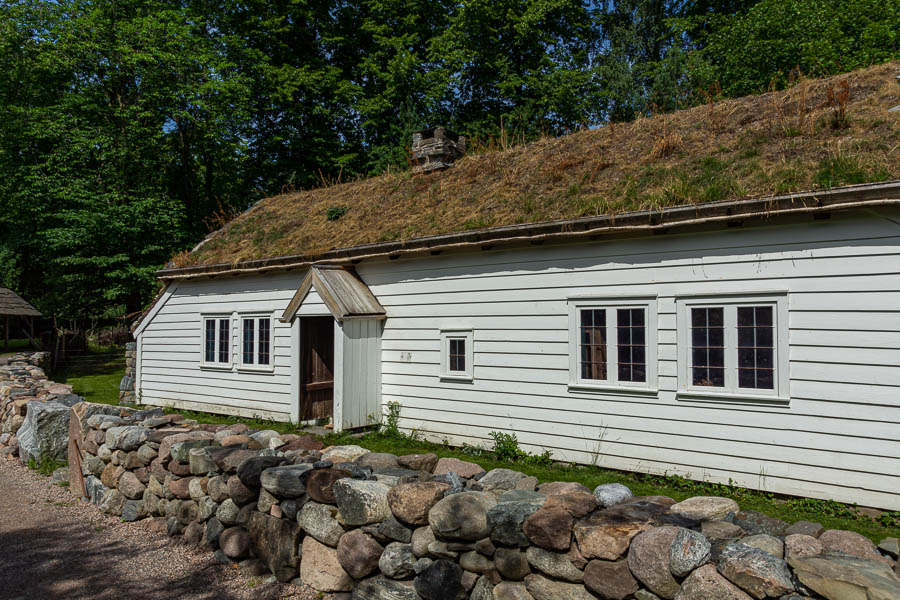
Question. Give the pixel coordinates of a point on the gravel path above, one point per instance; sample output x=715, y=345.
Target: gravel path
x=54, y=546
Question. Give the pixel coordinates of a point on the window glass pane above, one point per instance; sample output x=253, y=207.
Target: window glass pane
x=223, y=340
x=265, y=340
x=707, y=351
x=631, y=349
x=247, y=345
x=593, y=344
x=209, y=340
x=756, y=348
x=457, y=355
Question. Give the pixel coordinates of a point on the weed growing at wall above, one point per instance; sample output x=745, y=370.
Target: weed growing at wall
x=45, y=466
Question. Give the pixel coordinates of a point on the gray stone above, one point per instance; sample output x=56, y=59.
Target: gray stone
x=206, y=508
x=610, y=494
x=509, y=590
x=418, y=462
x=705, y=508
x=707, y=584
x=505, y=521
x=133, y=510
x=285, y=482
x=198, y=486
x=411, y=502
x=359, y=553
x=187, y=511
x=289, y=509
x=217, y=489
x=501, y=479
x=441, y=580
x=798, y=545
x=339, y=454
x=214, y=529
x=395, y=530
x=511, y=563
x=721, y=530
x=94, y=489
x=849, y=542
x=44, y=435
x=475, y=562
x=361, y=502
x=127, y=437
x=648, y=560
x=462, y=516
x=610, y=580
x=129, y=485
x=319, y=521
x=890, y=546
x=92, y=466
x=754, y=522
x=420, y=539
x=549, y=528
x=542, y=588
x=805, y=528
x=227, y=512
x=555, y=564
x=265, y=502
x=767, y=543
x=842, y=577
x=275, y=542
x=240, y=493
x=180, y=451
x=755, y=571
x=484, y=590
x=264, y=436
x=688, y=551
x=376, y=460
x=397, y=561
x=382, y=588
x=645, y=595
x=60, y=476
x=113, y=502
x=200, y=461
x=251, y=469
x=439, y=549
x=234, y=542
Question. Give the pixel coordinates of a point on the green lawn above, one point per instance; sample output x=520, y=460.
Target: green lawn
x=16, y=345
x=95, y=374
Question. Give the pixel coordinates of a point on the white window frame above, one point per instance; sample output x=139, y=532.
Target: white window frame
x=612, y=383
x=467, y=335
x=255, y=366
x=222, y=366
x=730, y=302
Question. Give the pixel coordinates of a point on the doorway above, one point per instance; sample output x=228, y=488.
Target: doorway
x=316, y=368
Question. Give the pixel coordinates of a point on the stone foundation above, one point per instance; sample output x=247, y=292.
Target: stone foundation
x=126, y=386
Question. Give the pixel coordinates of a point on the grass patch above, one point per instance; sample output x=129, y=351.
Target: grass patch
x=95, y=374
x=45, y=466
x=16, y=345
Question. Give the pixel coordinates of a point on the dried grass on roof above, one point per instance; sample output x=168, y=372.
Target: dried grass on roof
x=773, y=143
x=11, y=304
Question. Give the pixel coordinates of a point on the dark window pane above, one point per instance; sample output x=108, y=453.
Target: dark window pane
x=698, y=376
x=698, y=317
x=746, y=378
x=624, y=372
x=623, y=317
x=716, y=357
x=715, y=316
x=637, y=317
x=209, y=340
x=764, y=337
x=248, y=339
x=745, y=337
x=638, y=355
x=265, y=341
x=698, y=357
x=765, y=379
x=764, y=358
x=745, y=316
x=746, y=358
x=716, y=337
x=624, y=335
x=638, y=336
x=224, y=340
x=717, y=376
x=698, y=337
x=763, y=316
x=639, y=373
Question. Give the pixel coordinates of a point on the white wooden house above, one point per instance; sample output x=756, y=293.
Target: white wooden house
x=767, y=353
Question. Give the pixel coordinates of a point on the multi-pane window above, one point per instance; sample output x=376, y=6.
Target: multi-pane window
x=457, y=354
x=631, y=334
x=612, y=344
x=216, y=340
x=708, y=346
x=756, y=347
x=593, y=358
x=256, y=341
x=732, y=346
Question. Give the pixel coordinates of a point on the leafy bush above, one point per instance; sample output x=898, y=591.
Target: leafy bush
x=336, y=212
x=45, y=466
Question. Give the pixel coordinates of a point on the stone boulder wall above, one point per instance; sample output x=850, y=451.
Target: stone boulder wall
x=385, y=527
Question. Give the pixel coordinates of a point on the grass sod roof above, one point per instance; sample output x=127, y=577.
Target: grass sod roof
x=817, y=135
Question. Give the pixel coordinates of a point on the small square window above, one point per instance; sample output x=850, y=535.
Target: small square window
x=457, y=354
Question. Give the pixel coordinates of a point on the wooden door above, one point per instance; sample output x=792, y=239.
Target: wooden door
x=316, y=368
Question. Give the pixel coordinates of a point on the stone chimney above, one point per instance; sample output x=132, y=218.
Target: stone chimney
x=437, y=148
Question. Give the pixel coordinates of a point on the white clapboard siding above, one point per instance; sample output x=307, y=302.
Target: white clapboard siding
x=838, y=437
x=171, y=374
x=358, y=376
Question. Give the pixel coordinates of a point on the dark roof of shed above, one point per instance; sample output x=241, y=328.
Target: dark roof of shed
x=12, y=304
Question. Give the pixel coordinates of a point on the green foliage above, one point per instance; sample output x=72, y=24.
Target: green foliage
x=336, y=212
x=506, y=448
x=45, y=466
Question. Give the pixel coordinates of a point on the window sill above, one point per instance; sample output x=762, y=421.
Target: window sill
x=731, y=397
x=215, y=367
x=254, y=369
x=458, y=378
x=622, y=390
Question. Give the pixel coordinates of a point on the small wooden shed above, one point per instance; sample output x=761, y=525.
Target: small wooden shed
x=13, y=305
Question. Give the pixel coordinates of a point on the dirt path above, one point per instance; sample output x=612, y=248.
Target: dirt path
x=53, y=546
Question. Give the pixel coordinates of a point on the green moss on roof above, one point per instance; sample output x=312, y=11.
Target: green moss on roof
x=780, y=142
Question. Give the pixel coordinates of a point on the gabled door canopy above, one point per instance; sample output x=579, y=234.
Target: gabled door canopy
x=342, y=291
